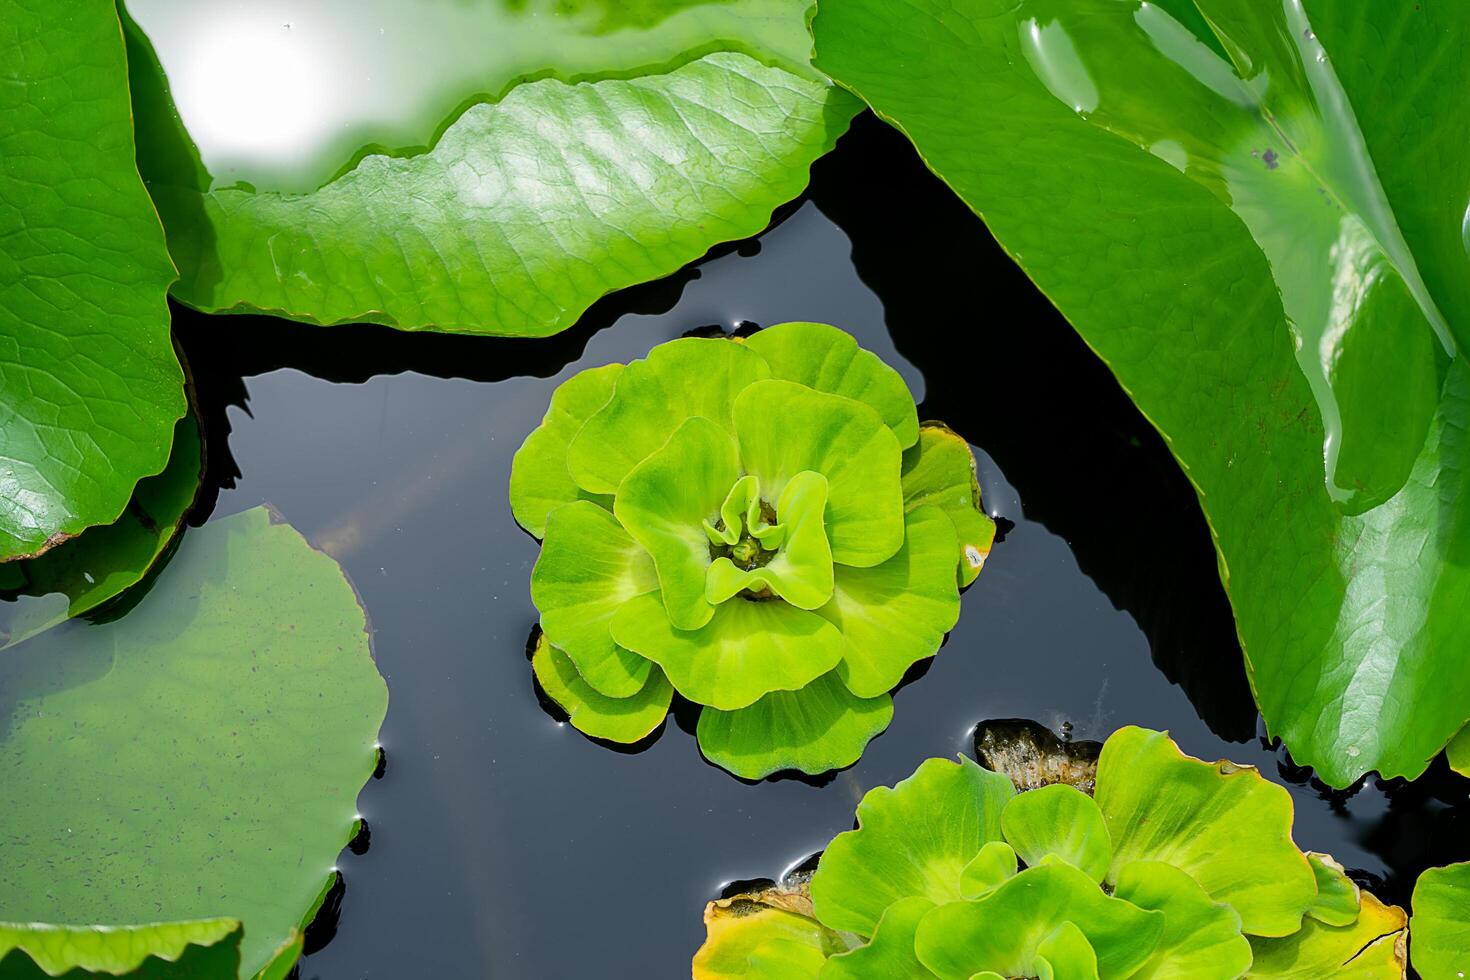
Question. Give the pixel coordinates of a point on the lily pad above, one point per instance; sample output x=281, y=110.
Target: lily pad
x=85, y=574
x=1254, y=215
x=248, y=667
x=208, y=948
x=1439, y=933
x=90, y=388
x=583, y=161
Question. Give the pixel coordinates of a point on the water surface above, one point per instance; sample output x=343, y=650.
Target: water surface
x=505, y=844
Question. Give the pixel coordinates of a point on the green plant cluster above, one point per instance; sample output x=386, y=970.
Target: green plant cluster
x=1175, y=867
x=759, y=524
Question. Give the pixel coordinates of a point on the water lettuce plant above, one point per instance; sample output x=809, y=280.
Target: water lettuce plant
x=180, y=781
x=1174, y=868
x=90, y=388
x=544, y=156
x=759, y=524
x=1254, y=213
x=1439, y=942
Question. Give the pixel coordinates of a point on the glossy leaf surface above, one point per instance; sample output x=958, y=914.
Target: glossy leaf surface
x=1439, y=933
x=1058, y=823
x=618, y=719
x=913, y=840
x=1265, y=244
x=1224, y=825
x=1201, y=938
x=820, y=727
x=90, y=388
x=84, y=574
x=746, y=530
x=537, y=161
x=1372, y=948
x=1006, y=930
x=248, y=668
x=164, y=951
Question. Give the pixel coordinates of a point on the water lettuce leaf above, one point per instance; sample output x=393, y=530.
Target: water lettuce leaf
x=90, y=388
x=777, y=540
x=583, y=162
x=1372, y=948
x=199, y=757
x=1172, y=872
x=1254, y=214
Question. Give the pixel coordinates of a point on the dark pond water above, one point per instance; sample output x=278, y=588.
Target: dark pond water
x=505, y=844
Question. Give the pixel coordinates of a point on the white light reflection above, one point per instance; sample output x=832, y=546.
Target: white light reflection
x=257, y=87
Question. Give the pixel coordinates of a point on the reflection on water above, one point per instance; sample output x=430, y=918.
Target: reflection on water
x=497, y=833
x=284, y=94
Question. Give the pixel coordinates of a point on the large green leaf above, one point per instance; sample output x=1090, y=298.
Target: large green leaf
x=199, y=757
x=207, y=948
x=1268, y=251
x=84, y=574
x=90, y=388
x=1439, y=932
x=596, y=160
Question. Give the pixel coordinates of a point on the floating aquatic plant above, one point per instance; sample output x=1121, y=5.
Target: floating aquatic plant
x=761, y=525
x=1441, y=925
x=180, y=781
x=1174, y=868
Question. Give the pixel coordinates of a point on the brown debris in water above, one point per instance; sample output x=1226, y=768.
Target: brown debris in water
x=1032, y=755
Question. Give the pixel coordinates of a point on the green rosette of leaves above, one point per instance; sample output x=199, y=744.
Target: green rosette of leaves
x=761, y=525
x=1175, y=868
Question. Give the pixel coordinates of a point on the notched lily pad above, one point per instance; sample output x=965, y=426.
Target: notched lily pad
x=248, y=666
